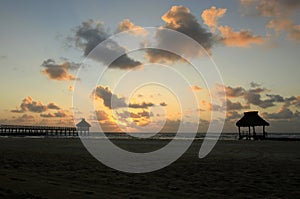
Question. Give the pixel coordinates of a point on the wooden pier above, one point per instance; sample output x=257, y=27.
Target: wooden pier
x=20, y=130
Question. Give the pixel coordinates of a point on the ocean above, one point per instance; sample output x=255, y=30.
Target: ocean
x=169, y=136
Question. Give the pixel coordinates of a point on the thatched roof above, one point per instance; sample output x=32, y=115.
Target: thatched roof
x=251, y=118
x=83, y=123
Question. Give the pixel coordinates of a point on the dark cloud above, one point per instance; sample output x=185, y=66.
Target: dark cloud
x=275, y=98
x=254, y=84
x=253, y=96
x=113, y=101
x=234, y=92
x=28, y=104
x=179, y=18
x=163, y=104
x=17, y=111
x=110, y=100
x=59, y=72
x=283, y=113
x=235, y=105
x=141, y=105
x=32, y=106
x=91, y=33
x=53, y=106
x=143, y=114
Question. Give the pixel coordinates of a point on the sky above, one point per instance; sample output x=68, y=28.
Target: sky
x=47, y=48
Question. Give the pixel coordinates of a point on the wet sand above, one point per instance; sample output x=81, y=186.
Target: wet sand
x=62, y=168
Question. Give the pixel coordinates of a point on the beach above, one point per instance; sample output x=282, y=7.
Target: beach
x=63, y=168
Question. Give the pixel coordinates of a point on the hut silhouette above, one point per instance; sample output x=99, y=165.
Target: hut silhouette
x=83, y=126
x=251, y=119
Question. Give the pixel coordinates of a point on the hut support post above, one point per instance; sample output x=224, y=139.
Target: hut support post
x=239, y=132
x=264, y=132
x=249, y=133
x=254, y=133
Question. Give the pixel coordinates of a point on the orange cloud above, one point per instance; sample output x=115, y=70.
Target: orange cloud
x=196, y=88
x=59, y=72
x=70, y=88
x=285, y=25
x=244, y=38
x=210, y=16
x=279, y=12
x=127, y=25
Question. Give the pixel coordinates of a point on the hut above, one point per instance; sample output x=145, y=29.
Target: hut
x=83, y=126
x=251, y=119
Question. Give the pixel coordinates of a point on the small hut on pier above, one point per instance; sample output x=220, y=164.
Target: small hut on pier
x=251, y=119
x=83, y=126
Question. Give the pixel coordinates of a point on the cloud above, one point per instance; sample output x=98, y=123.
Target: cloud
x=101, y=115
x=196, y=88
x=28, y=104
x=110, y=100
x=56, y=114
x=278, y=12
x=141, y=105
x=163, y=104
x=210, y=16
x=253, y=96
x=234, y=92
x=138, y=115
x=282, y=114
x=232, y=115
x=32, y=106
x=296, y=101
x=275, y=98
x=91, y=33
x=243, y=38
x=179, y=18
x=53, y=106
x=70, y=88
x=113, y=101
x=59, y=72
x=127, y=25
x=254, y=84
x=293, y=31
x=235, y=105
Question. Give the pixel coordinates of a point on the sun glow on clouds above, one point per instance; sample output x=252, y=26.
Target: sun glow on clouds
x=147, y=108
x=151, y=106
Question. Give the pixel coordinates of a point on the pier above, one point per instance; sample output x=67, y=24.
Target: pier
x=21, y=130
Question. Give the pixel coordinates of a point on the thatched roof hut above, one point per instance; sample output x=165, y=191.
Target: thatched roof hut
x=251, y=119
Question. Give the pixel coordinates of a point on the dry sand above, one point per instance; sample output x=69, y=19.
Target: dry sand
x=62, y=168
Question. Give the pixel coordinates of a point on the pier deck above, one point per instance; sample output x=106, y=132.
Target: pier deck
x=11, y=130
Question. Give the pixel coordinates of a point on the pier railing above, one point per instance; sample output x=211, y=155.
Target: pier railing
x=37, y=130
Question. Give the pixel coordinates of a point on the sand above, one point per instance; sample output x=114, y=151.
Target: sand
x=62, y=168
